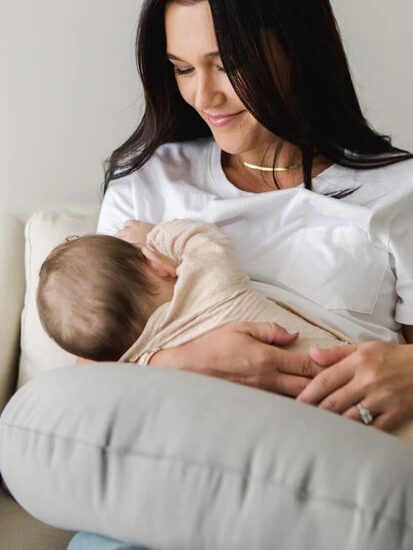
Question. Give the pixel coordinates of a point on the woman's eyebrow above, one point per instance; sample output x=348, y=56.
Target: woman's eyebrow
x=209, y=54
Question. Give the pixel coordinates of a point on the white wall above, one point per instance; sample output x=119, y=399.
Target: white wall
x=378, y=39
x=68, y=96
x=69, y=92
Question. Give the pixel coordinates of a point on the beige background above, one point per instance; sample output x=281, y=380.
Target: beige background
x=69, y=91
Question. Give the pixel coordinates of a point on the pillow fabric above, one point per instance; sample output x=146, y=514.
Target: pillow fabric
x=174, y=460
x=11, y=301
x=44, y=231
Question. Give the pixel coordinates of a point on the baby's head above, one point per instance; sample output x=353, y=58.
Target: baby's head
x=95, y=296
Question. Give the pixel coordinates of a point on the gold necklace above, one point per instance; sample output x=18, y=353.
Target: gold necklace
x=269, y=169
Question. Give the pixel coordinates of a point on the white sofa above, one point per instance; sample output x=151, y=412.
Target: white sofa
x=25, y=352
x=169, y=459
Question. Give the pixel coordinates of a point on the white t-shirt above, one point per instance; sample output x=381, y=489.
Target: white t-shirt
x=347, y=262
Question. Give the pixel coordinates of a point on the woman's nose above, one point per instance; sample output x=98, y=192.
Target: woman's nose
x=208, y=95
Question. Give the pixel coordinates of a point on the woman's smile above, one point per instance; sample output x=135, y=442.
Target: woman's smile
x=222, y=120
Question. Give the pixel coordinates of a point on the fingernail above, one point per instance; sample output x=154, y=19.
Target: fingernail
x=292, y=331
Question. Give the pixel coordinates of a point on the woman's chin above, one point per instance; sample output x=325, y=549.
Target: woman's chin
x=229, y=145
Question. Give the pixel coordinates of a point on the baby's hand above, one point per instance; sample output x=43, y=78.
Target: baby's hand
x=135, y=232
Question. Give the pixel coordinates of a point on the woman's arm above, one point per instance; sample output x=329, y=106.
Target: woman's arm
x=377, y=374
x=244, y=353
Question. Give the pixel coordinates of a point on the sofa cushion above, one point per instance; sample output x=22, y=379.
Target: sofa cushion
x=11, y=301
x=44, y=231
x=172, y=459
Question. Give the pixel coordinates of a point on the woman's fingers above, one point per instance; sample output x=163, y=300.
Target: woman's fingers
x=376, y=374
x=240, y=353
x=387, y=422
x=245, y=353
x=327, y=383
x=383, y=419
x=290, y=385
x=268, y=333
x=270, y=356
x=294, y=364
x=354, y=414
x=343, y=399
x=327, y=357
x=274, y=381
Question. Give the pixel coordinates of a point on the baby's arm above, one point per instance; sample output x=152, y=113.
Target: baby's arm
x=179, y=238
x=199, y=248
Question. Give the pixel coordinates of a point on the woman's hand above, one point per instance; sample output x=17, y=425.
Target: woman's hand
x=135, y=232
x=244, y=353
x=377, y=374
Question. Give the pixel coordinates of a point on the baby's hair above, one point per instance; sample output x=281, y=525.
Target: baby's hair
x=94, y=296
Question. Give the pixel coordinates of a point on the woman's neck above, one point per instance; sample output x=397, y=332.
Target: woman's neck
x=257, y=181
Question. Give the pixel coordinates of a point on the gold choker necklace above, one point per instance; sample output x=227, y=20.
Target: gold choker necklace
x=269, y=169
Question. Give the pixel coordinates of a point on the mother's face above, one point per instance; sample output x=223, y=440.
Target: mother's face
x=202, y=82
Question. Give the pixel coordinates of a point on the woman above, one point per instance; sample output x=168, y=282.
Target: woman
x=252, y=122
x=271, y=117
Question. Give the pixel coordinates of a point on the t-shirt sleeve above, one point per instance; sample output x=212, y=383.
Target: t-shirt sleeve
x=117, y=207
x=402, y=250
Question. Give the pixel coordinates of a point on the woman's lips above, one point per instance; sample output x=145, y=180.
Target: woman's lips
x=222, y=120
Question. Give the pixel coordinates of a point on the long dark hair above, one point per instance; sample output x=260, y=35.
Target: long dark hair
x=317, y=111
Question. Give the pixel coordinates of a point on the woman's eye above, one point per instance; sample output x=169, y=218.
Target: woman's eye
x=188, y=71
x=181, y=71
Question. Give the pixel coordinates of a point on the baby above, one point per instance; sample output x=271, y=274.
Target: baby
x=103, y=298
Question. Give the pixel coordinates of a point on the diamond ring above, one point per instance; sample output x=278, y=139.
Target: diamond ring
x=365, y=414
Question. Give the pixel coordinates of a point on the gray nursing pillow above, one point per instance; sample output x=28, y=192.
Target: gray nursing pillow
x=175, y=460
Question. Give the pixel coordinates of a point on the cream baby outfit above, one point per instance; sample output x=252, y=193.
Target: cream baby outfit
x=212, y=291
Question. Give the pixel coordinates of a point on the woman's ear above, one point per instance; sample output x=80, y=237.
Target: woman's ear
x=161, y=265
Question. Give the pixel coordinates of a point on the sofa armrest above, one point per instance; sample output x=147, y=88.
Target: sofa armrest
x=11, y=301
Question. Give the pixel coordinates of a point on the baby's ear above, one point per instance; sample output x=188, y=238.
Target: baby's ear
x=160, y=264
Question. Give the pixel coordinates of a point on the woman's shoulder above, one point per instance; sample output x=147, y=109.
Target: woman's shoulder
x=170, y=162
x=368, y=186
x=182, y=150
x=175, y=172
x=175, y=160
